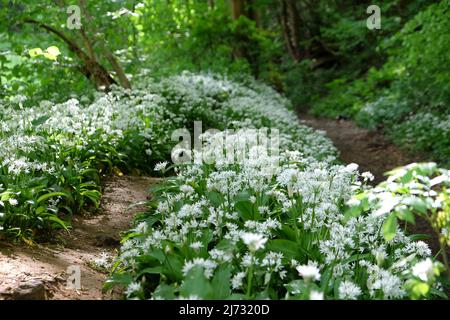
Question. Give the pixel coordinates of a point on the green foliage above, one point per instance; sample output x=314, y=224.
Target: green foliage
x=408, y=96
x=231, y=231
x=225, y=231
x=418, y=189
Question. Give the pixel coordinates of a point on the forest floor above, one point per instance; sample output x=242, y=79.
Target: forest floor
x=41, y=271
x=372, y=152
x=369, y=149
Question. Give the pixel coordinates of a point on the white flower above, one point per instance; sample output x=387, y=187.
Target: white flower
x=253, y=241
x=236, y=281
x=196, y=245
x=132, y=288
x=104, y=260
x=187, y=189
x=367, y=176
x=349, y=291
x=208, y=266
x=13, y=202
x=141, y=227
x=352, y=167
x=161, y=166
x=315, y=295
x=388, y=202
x=424, y=270
x=309, y=272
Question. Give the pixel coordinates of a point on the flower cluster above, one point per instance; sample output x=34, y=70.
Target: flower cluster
x=273, y=226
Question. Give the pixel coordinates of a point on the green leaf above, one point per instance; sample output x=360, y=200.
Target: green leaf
x=40, y=120
x=421, y=289
x=290, y=249
x=245, y=209
x=58, y=222
x=221, y=282
x=172, y=267
x=419, y=205
x=405, y=214
x=196, y=284
x=215, y=198
x=438, y=293
x=325, y=278
x=53, y=50
x=296, y=287
x=52, y=53
x=288, y=233
x=164, y=291
x=390, y=227
x=35, y=52
x=51, y=195
x=420, y=236
x=151, y=270
x=6, y=196
x=117, y=279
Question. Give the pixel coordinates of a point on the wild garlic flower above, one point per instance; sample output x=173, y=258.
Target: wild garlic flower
x=161, y=166
x=424, y=270
x=196, y=245
x=132, y=288
x=236, y=281
x=348, y=290
x=253, y=241
x=309, y=272
x=316, y=295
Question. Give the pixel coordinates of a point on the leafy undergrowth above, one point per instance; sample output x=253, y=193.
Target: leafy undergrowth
x=52, y=155
x=408, y=96
x=274, y=225
x=278, y=222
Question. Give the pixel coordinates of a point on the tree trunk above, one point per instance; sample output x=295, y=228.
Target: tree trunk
x=237, y=8
x=290, y=21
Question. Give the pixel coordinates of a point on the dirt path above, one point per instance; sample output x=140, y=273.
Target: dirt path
x=372, y=152
x=369, y=149
x=41, y=271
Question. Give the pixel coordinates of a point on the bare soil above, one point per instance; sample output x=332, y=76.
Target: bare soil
x=369, y=149
x=89, y=237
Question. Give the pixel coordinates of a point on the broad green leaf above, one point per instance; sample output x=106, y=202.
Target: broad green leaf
x=58, y=221
x=421, y=289
x=53, y=50
x=117, y=279
x=164, y=291
x=51, y=195
x=150, y=270
x=245, y=209
x=196, y=284
x=221, y=282
x=390, y=227
x=35, y=52
x=296, y=287
x=40, y=120
x=52, y=53
x=290, y=249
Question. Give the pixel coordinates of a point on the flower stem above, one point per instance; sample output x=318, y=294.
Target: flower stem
x=249, y=281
